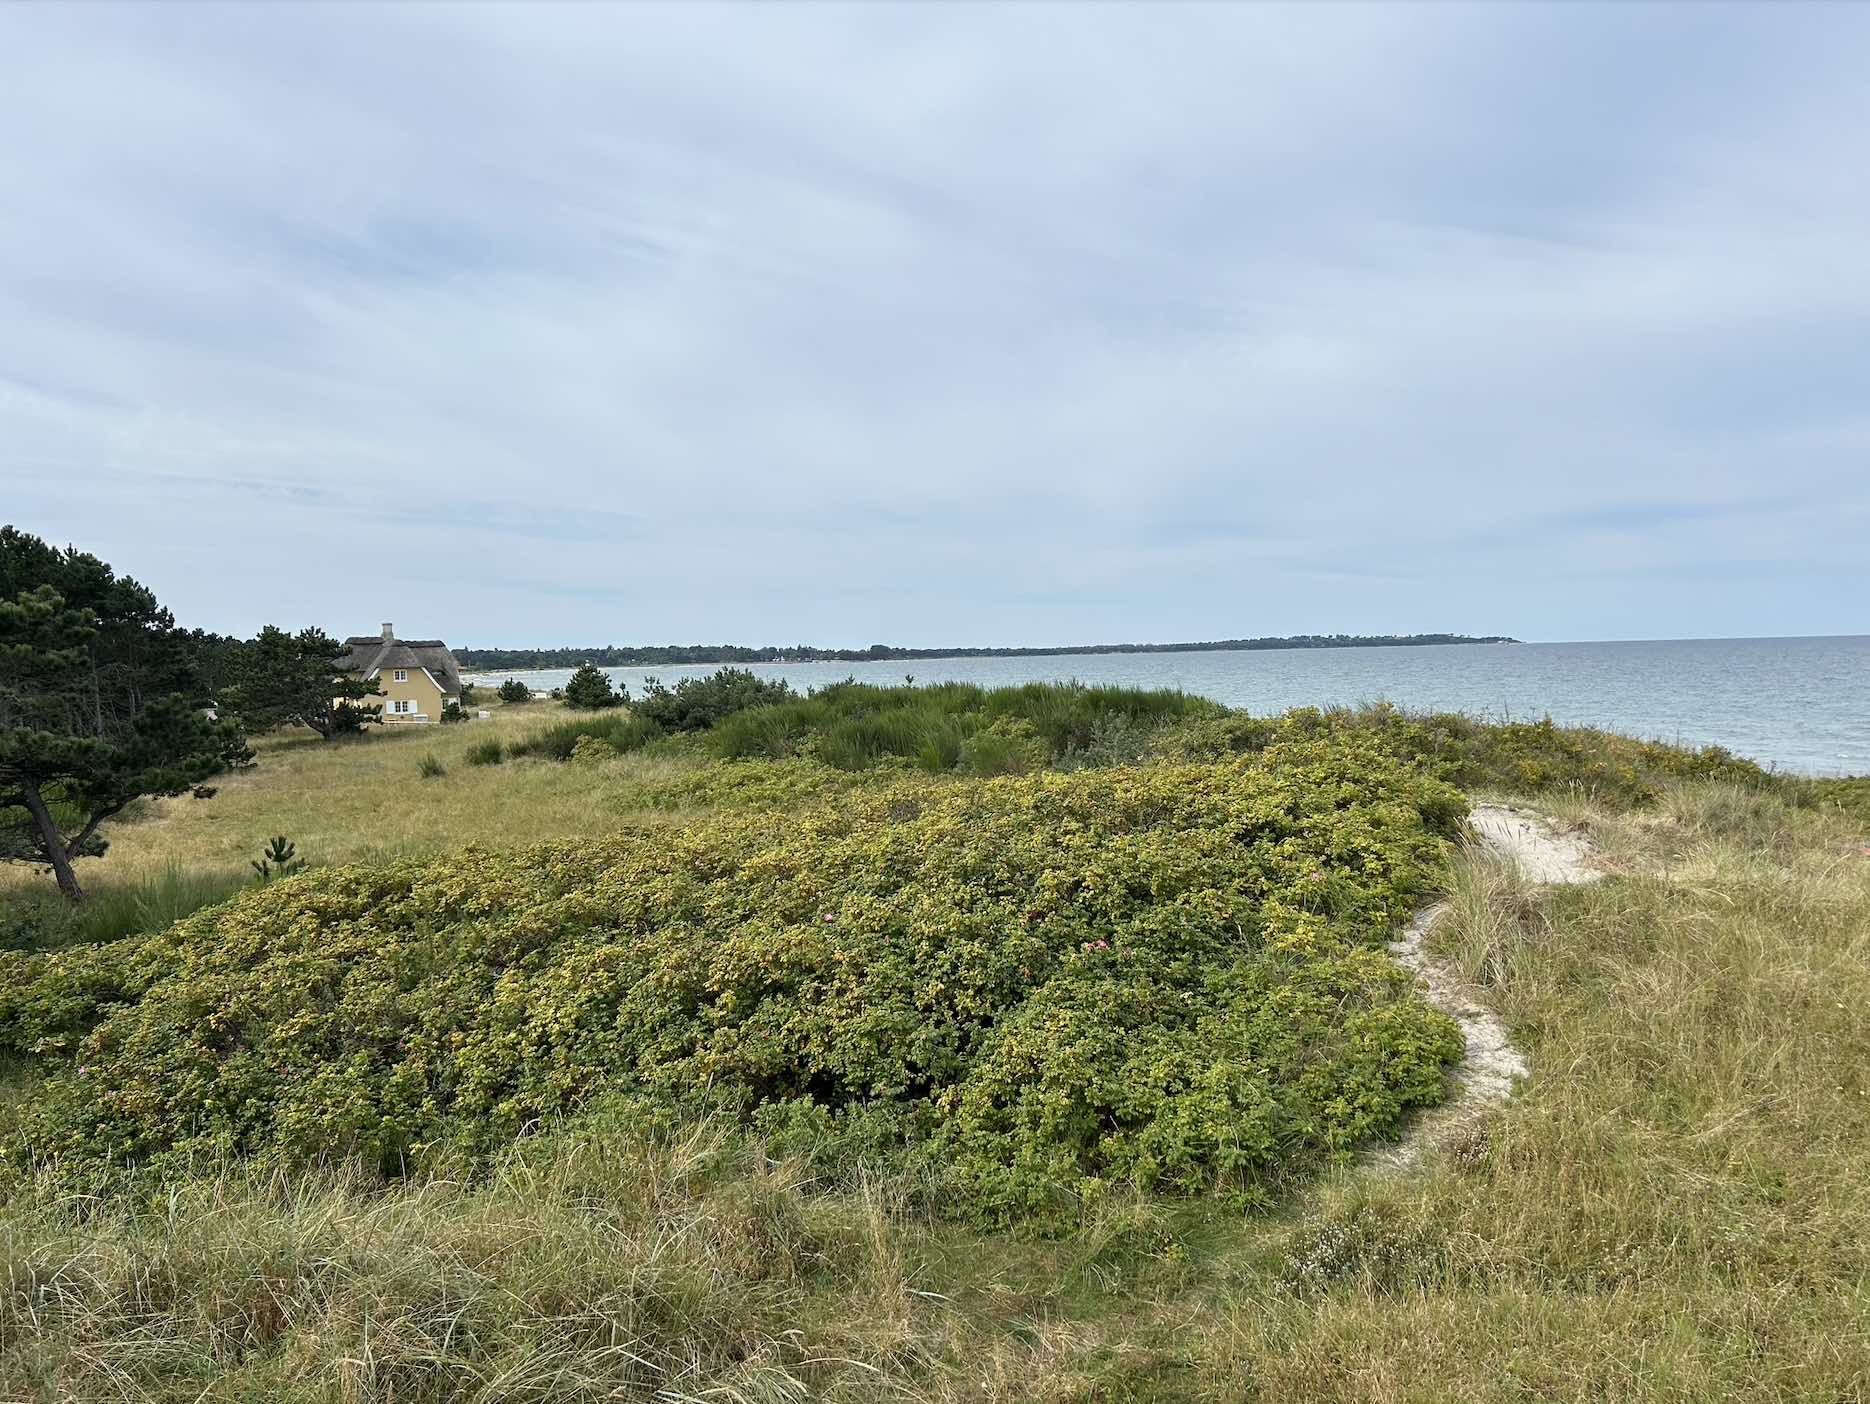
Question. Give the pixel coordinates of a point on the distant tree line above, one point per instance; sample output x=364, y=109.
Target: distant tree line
x=618, y=655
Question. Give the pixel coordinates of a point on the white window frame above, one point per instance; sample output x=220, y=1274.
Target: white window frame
x=402, y=675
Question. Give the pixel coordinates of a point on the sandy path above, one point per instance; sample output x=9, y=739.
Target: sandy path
x=1486, y=1076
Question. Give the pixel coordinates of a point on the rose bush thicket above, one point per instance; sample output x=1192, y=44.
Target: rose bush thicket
x=1027, y=988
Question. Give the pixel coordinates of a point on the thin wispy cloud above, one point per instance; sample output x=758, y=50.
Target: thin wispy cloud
x=945, y=324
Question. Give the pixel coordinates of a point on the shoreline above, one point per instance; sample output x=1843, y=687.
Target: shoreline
x=1294, y=643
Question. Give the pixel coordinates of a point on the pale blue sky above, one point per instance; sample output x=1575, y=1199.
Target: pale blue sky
x=945, y=323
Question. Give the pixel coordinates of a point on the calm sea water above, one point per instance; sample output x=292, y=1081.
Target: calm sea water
x=1797, y=704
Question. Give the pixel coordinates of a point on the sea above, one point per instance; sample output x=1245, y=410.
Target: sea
x=1800, y=705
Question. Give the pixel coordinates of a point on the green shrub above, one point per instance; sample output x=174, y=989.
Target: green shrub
x=1008, y=746
x=429, y=767
x=37, y=921
x=513, y=690
x=695, y=704
x=453, y=712
x=621, y=730
x=1518, y=757
x=486, y=752
x=1027, y=989
x=592, y=750
x=590, y=690
x=854, y=725
x=1849, y=795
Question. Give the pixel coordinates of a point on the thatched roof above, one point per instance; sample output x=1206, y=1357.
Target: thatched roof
x=370, y=654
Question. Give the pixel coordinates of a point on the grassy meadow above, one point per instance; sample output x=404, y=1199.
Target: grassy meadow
x=1672, y=1208
x=362, y=799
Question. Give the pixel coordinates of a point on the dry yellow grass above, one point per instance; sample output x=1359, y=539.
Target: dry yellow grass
x=366, y=799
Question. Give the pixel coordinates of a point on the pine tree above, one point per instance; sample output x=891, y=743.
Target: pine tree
x=590, y=689
x=293, y=680
x=101, y=702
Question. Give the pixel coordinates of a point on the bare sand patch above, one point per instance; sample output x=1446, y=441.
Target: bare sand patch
x=1546, y=855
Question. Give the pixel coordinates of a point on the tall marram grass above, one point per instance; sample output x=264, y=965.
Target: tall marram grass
x=488, y=751
x=40, y=919
x=596, y=1267
x=556, y=742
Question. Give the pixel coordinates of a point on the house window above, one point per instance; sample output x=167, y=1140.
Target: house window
x=402, y=704
x=402, y=675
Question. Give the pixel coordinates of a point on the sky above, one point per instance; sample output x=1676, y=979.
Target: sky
x=945, y=324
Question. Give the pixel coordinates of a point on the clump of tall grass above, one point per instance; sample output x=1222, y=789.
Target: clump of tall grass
x=623, y=730
x=601, y=1266
x=489, y=751
x=430, y=767
x=32, y=920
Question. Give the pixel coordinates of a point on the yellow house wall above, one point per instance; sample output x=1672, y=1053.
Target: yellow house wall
x=418, y=689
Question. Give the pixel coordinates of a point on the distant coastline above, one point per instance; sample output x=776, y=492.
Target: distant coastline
x=614, y=655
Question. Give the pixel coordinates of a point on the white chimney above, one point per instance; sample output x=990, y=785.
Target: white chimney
x=387, y=635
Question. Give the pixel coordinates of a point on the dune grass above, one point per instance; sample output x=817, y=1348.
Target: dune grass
x=1673, y=1209
x=361, y=799
x=618, y=728
x=34, y=916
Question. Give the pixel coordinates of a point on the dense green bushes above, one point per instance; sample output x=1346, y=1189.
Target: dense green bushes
x=854, y=725
x=695, y=704
x=948, y=727
x=1029, y=988
x=1519, y=757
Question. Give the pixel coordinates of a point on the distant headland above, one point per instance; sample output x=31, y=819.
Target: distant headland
x=616, y=655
